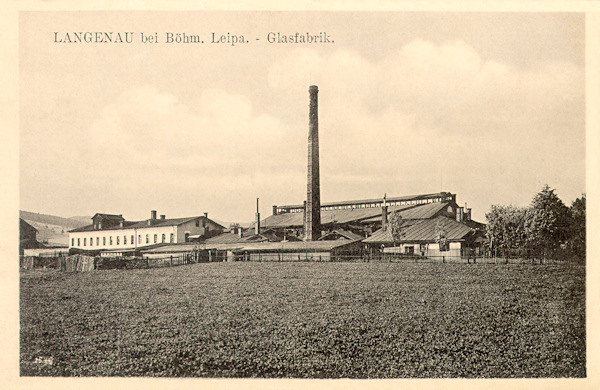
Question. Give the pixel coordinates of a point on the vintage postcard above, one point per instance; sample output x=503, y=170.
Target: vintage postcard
x=315, y=195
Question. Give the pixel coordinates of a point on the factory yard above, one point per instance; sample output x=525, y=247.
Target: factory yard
x=317, y=320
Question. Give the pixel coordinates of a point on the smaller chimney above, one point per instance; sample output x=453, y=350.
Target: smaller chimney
x=468, y=215
x=153, y=214
x=304, y=220
x=205, y=215
x=162, y=216
x=274, y=210
x=459, y=214
x=239, y=231
x=257, y=225
x=384, y=213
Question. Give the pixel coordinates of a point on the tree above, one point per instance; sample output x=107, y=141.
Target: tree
x=577, y=231
x=547, y=223
x=441, y=236
x=505, y=230
x=395, y=225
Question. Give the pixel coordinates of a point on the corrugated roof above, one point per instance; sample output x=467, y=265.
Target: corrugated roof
x=344, y=233
x=225, y=238
x=422, y=211
x=378, y=200
x=296, y=245
x=365, y=215
x=424, y=231
x=285, y=246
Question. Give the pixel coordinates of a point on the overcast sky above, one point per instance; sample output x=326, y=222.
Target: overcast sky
x=488, y=106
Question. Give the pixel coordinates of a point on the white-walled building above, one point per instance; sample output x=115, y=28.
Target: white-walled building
x=112, y=232
x=424, y=237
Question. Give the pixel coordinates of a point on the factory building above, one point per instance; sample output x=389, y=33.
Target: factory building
x=364, y=217
x=438, y=237
x=309, y=231
x=349, y=222
x=113, y=232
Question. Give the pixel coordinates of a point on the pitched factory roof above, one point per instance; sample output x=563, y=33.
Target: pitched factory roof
x=423, y=231
x=377, y=200
x=365, y=215
x=284, y=246
x=26, y=225
x=343, y=233
x=90, y=228
x=108, y=216
x=144, y=224
x=225, y=238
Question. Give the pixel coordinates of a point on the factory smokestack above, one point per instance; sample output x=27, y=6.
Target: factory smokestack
x=384, y=213
x=312, y=226
x=257, y=225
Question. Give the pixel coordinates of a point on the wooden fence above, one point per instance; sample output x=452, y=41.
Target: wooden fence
x=83, y=263
x=171, y=261
x=76, y=263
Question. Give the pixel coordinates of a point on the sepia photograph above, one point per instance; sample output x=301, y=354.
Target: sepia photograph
x=302, y=194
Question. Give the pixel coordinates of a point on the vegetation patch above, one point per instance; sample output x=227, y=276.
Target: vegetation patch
x=329, y=320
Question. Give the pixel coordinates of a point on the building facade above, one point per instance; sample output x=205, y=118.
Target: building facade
x=112, y=232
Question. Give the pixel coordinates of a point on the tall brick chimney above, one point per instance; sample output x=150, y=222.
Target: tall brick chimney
x=312, y=227
x=257, y=225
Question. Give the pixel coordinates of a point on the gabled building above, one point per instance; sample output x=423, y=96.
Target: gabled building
x=435, y=237
x=113, y=232
x=27, y=237
x=364, y=217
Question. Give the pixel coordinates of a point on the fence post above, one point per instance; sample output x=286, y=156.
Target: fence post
x=444, y=259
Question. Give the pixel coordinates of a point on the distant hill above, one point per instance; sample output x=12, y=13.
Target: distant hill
x=51, y=228
x=68, y=223
x=84, y=219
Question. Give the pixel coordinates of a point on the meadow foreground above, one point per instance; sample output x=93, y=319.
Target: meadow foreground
x=332, y=320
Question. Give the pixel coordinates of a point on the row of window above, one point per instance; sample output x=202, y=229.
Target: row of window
x=118, y=240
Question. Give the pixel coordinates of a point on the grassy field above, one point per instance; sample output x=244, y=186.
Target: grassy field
x=332, y=320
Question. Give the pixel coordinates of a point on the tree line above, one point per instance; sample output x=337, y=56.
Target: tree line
x=545, y=229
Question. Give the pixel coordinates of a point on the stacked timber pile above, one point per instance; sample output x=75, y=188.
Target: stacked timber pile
x=27, y=262
x=76, y=263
